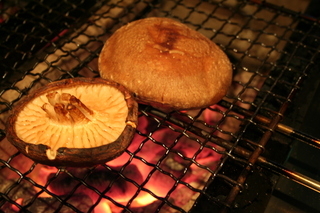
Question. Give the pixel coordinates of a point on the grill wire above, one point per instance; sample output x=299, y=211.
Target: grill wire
x=272, y=48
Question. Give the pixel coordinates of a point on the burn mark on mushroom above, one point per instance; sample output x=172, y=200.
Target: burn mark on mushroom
x=168, y=37
x=164, y=37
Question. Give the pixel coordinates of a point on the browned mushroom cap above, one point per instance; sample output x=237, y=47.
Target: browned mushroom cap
x=74, y=122
x=166, y=64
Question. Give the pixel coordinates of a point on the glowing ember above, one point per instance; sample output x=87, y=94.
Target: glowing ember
x=18, y=201
x=103, y=206
x=156, y=166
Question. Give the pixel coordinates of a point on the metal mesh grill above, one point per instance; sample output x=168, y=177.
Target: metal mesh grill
x=272, y=49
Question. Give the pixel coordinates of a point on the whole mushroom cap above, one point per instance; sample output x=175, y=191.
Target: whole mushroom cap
x=166, y=64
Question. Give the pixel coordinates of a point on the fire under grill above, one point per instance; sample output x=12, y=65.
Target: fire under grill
x=232, y=156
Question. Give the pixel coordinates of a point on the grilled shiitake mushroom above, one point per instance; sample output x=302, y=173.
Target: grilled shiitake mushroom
x=74, y=122
x=166, y=64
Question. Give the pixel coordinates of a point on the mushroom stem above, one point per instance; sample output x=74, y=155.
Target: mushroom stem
x=76, y=115
x=80, y=105
x=48, y=109
x=53, y=98
x=67, y=109
x=61, y=113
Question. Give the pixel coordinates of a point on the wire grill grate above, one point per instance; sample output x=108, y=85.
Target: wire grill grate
x=273, y=50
